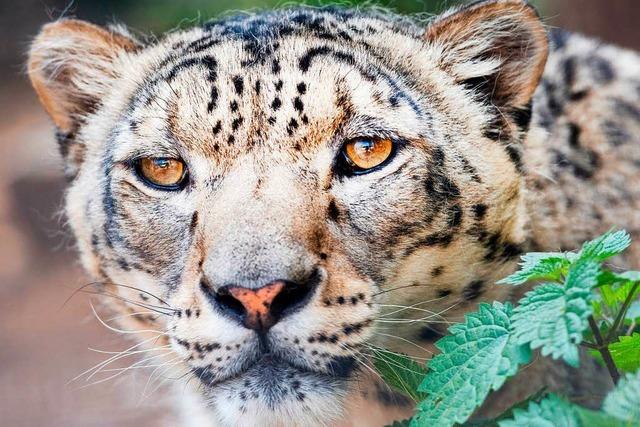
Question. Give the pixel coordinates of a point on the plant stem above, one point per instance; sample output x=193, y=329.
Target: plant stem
x=623, y=311
x=589, y=345
x=604, y=351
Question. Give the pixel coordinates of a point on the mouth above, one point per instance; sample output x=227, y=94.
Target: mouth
x=271, y=370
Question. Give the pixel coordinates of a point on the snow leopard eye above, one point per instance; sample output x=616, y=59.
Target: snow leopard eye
x=162, y=173
x=364, y=154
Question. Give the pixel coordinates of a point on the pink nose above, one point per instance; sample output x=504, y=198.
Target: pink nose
x=257, y=304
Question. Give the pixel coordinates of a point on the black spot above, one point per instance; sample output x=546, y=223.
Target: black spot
x=194, y=221
x=216, y=129
x=437, y=271
x=513, y=151
x=499, y=250
x=276, y=104
x=437, y=239
x=574, y=135
x=302, y=88
x=479, y=210
x=257, y=87
x=522, y=116
x=292, y=126
x=123, y=264
x=430, y=333
x=473, y=290
x=569, y=71
x=235, y=124
x=443, y=293
x=340, y=300
x=454, y=216
x=323, y=256
x=298, y=105
x=278, y=85
x=238, y=84
x=601, y=69
x=271, y=120
x=234, y=106
x=275, y=66
x=305, y=61
x=231, y=140
x=333, y=211
x=213, y=101
x=578, y=95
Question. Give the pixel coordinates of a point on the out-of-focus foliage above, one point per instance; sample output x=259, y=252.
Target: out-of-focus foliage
x=162, y=15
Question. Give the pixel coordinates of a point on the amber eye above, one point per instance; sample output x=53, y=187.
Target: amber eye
x=367, y=153
x=161, y=172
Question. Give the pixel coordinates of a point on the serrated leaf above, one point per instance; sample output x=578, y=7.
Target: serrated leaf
x=623, y=402
x=477, y=356
x=538, y=266
x=609, y=244
x=550, y=412
x=400, y=372
x=626, y=352
x=553, y=317
x=590, y=418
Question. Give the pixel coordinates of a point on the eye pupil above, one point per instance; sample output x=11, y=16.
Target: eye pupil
x=161, y=163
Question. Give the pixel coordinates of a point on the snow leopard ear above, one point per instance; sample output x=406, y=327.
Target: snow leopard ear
x=496, y=47
x=71, y=66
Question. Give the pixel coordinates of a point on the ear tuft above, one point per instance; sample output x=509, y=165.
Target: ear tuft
x=497, y=47
x=71, y=65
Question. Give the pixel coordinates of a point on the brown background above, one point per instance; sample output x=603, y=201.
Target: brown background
x=44, y=344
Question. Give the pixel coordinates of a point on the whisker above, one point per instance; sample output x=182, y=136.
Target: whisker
x=156, y=309
x=124, y=316
x=82, y=289
x=122, y=331
x=386, y=350
x=122, y=354
x=402, y=287
x=405, y=340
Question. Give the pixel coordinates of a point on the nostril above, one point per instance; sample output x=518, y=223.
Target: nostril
x=223, y=300
x=292, y=297
x=229, y=302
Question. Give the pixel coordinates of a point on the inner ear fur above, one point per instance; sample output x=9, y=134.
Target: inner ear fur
x=497, y=47
x=71, y=66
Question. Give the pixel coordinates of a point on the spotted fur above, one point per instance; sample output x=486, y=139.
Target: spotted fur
x=494, y=158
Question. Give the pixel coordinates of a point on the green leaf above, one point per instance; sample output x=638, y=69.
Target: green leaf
x=550, y=412
x=626, y=353
x=477, y=356
x=400, y=372
x=539, y=266
x=609, y=244
x=553, y=317
x=590, y=418
x=623, y=402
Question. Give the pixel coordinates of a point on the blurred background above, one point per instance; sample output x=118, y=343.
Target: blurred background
x=43, y=344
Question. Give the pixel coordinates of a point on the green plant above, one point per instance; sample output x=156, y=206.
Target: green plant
x=578, y=302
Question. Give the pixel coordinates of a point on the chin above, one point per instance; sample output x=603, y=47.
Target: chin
x=276, y=393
